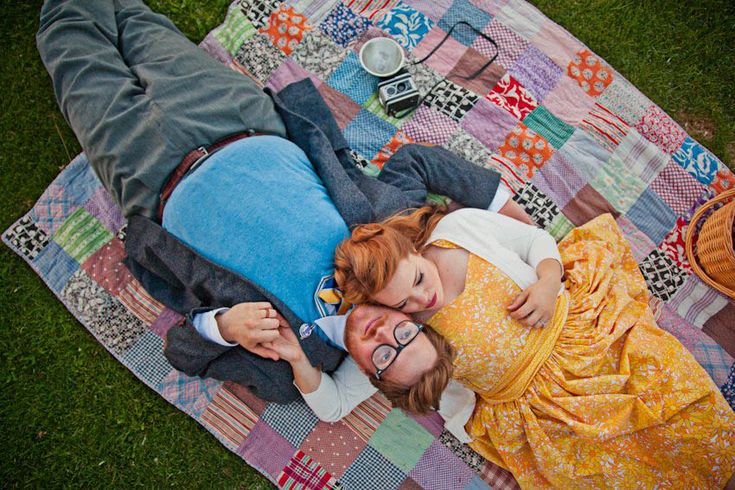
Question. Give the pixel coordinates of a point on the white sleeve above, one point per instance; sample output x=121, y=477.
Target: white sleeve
x=456, y=406
x=338, y=394
x=206, y=326
x=501, y=197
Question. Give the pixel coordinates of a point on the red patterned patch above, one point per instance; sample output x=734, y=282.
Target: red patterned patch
x=140, y=302
x=106, y=267
x=724, y=181
x=658, y=128
x=509, y=94
x=303, y=472
x=398, y=140
x=589, y=72
x=285, y=28
x=527, y=150
x=673, y=245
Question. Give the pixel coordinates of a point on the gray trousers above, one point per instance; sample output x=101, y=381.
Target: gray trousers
x=139, y=95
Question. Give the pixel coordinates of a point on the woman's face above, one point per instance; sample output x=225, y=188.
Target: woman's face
x=414, y=287
x=370, y=326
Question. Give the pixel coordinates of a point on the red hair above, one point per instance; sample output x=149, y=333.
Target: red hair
x=366, y=262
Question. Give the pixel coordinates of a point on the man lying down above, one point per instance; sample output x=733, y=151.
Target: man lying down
x=250, y=225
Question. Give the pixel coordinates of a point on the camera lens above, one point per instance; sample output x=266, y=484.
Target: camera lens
x=390, y=90
x=401, y=87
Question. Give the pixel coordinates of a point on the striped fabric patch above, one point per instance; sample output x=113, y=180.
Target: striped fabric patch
x=302, y=472
x=372, y=9
x=641, y=157
x=367, y=416
x=140, y=302
x=509, y=174
x=234, y=31
x=81, y=235
x=604, y=126
x=696, y=302
x=556, y=131
x=229, y=417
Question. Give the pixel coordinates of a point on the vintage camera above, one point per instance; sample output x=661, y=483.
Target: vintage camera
x=398, y=93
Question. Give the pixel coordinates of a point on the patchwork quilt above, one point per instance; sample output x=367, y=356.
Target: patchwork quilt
x=571, y=137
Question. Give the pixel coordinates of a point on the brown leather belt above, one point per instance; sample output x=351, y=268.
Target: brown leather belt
x=191, y=161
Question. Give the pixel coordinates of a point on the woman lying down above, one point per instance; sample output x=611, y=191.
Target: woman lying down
x=574, y=384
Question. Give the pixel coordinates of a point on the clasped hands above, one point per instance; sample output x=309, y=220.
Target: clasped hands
x=260, y=329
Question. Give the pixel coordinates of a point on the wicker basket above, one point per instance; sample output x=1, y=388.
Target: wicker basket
x=714, y=262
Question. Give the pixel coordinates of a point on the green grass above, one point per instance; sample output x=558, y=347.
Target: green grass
x=70, y=415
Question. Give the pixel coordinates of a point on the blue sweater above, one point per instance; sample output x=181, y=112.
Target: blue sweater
x=237, y=210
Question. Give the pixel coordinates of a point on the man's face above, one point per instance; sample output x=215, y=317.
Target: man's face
x=370, y=326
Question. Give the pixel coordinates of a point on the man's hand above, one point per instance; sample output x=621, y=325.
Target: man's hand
x=250, y=325
x=286, y=346
x=513, y=210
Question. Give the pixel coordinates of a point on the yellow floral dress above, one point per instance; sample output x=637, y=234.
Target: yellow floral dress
x=601, y=397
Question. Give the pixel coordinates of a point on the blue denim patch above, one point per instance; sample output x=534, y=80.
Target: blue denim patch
x=351, y=79
x=55, y=266
x=652, y=216
x=368, y=133
x=464, y=10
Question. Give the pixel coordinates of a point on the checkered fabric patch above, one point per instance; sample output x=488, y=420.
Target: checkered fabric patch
x=293, y=421
x=372, y=470
x=191, y=395
x=429, y=126
x=510, y=45
x=302, y=472
x=428, y=471
x=145, y=358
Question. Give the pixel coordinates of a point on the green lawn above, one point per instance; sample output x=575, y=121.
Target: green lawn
x=72, y=416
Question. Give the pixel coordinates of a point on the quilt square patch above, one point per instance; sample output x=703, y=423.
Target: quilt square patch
x=652, y=216
x=662, y=276
x=673, y=245
x=696, y=302
x=257, y=405
x=586, y=205
x=290, y=72
x=623, y=99
x=235, y=30
x=229, y=418
x=342, y=107
x=510, y=45
x=568, y=102
x=463, y=10
x=145, y=358
x=558, y=179
x=721, y=328
x=451, y=99
x=293, y=421
x=279, y=452
x=335, y=445
x=258, y=11
x=641, y=157
x=367, y=133
x=587, y=156
x=620, y=188
x=592, y=75
x=303, y=472
x=469, y=148
x=443, y=59
x=499, y=478
x=697, y=160
x=423, y=76
x=509, y=94
x=367, y=416
x=433, y=10
x=374, y=10
x=557, y=43
x=639, y=242
x=102, y=207
x=52, y=208
x=521, y=17
x=351, y=79
x=553, y=129
x=343, y=26
x=536, y=72
x=371, y=466
x=259, y=57
x=397, y=140
x=285, y=28
x=430, y=471
x=509, y=173
x=140, y=302
x=465, y=73
x=106, y=267
x=401, y=440
x=27, y=237
x=55, y=265
x=407, y=25
x=541, y=209
x=658, y=128
x=527, y=150
x=318, y=54
x=461, y=451
x=167, y=319
x=81, y=235
x=724, y=180
x=429, y=126
x=713, y=359
x=677, y=188
x=605, y=127
x=489, y=123
x=559, y=227
x=190, y=395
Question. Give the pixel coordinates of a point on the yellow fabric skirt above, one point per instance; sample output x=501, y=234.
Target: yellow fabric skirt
x=619, y=403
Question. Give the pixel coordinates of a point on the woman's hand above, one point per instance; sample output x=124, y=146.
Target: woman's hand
x=251, y=325
x=534, y=307
x=286, y=346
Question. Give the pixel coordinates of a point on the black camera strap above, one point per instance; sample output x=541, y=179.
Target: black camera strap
x=436, y=48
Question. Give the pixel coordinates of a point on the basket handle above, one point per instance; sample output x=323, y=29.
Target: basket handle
x=689, y=244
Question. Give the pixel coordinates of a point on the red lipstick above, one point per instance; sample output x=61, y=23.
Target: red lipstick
x=432, y=302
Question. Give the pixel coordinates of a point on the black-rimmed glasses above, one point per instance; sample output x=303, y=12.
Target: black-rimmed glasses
x=384, y=355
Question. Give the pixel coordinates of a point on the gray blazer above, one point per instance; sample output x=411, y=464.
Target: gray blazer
x=189, y=283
